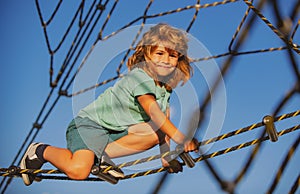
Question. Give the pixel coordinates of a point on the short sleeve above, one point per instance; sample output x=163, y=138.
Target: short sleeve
x=141, y=83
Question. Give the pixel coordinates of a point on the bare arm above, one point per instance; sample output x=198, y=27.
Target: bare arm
x=153, y=110
x=172, y=165
x=164, y=144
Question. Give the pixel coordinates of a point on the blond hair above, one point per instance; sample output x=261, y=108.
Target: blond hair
x=172, y=39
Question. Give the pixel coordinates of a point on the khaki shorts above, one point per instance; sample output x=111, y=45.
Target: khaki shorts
x=85, y=134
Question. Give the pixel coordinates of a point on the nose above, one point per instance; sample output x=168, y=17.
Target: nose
x=166, y=58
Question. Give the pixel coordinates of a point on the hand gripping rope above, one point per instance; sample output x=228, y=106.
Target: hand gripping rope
x=185, y=156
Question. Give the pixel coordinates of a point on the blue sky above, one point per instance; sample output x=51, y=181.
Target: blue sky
x=253, y=87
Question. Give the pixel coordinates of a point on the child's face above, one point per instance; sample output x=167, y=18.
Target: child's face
x=163, y=60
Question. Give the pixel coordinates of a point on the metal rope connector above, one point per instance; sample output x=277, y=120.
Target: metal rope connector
x=185, y=156
x=13, y=170
x=268, y=121
x=103, y=176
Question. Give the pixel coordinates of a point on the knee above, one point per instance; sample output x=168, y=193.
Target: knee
x=78, y=172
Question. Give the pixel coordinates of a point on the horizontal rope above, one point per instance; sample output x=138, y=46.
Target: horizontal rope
x=218, y=153
x=18, y=172
x=215, y=139
x=170, y=153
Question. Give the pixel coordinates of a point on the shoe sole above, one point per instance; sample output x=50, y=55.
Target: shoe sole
x=25, y=177
x=116, y=174
x=112, y=172
x=107, y=177
x=106, y=161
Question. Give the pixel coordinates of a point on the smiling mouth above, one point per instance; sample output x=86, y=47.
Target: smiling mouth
x=166, y=67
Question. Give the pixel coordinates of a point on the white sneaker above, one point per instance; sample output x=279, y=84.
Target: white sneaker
x=30, y=161
x=113, y=169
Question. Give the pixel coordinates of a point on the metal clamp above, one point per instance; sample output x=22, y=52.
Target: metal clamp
x=103, y=176
x=185, y=156
x=268, y=121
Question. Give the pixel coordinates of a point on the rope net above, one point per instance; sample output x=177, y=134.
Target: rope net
x=87, y=26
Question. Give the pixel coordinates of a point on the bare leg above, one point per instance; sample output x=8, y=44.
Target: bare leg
x=75, y=166
x=140, y=137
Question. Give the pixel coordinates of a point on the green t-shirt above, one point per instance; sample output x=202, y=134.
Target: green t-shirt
x=117, y=108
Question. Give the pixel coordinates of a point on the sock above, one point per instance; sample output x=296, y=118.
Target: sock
x=40, y=152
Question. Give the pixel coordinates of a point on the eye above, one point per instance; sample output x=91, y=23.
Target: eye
x=174, y=55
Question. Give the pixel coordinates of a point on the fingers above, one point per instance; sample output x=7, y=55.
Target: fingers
x=196, y=145
x=174, y=166
x=191, y=145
